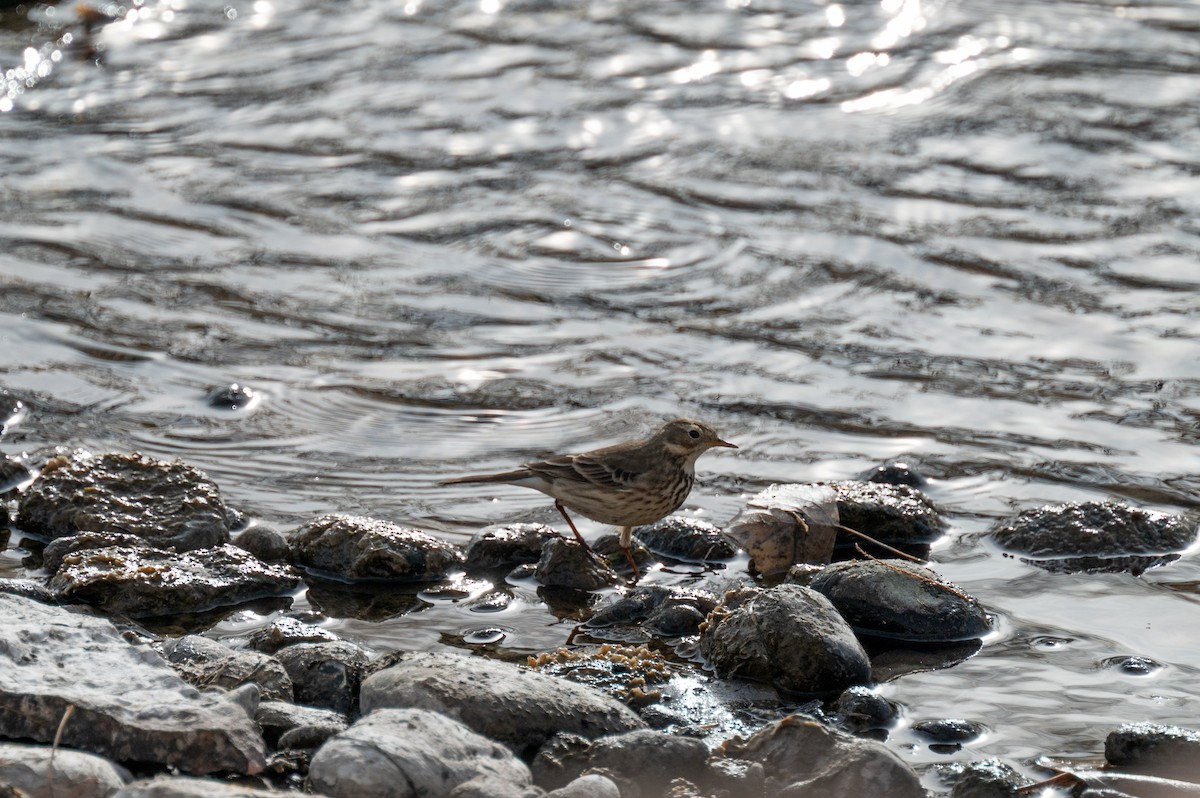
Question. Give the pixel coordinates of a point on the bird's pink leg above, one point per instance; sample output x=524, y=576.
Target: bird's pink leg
x=595, y=557
x=626, y=540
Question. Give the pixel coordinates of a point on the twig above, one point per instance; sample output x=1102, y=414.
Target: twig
x=62, y=725
x=918, y=577
x=880, y=544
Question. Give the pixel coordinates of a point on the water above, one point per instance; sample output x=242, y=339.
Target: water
x=446, y=238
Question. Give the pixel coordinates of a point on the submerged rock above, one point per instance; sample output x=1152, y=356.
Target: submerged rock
x=208, y=663
x=402, y=753
x=169, y=505
x=354, y=548
x=326, y=674
x=505, y=546
x=989, y=778
x=504, y=702
x=790, y=637
x=128, y=705
x=40, y=770
x=684, y=538
x=144, y=582
x=564, y=563
x=662, y=610
x=899, y=515
x=896, y=598
x=1101, y=536
x=804, y=758
x=1170, y=752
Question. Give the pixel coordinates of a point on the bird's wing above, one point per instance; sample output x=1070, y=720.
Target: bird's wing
x=606, y=472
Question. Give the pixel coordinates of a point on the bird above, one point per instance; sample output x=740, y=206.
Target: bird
x=625, y=485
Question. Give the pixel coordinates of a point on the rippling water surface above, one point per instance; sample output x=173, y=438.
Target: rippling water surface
x=439, y=238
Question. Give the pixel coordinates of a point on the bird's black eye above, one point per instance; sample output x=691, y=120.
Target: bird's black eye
x=695, y=433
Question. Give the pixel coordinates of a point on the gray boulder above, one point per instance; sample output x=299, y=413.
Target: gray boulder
x=326, y=674
x=504, y=702
x=41, y=772
x=169, y=505
x=207, y=663
x=126, y=703
x=413, y=753
x=790, y=637
x=185, y=787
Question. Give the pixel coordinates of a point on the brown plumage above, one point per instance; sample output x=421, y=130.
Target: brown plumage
x=626, y=485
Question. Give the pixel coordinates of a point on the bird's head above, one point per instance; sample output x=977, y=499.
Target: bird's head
x=688, y=438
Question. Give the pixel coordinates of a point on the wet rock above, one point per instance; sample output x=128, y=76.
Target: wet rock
x=787, y=524
x=1100, y=536
x=948, y=731
x=29, y=589
x=354, y=547
x=128, y=704
x=987, y=779
x=861, y=709
x=895, y=598
x=399, y=753
x=592, y=785
x=278, y=718
x=650, y=759
x=186, y=787
x=41, y=772
x=234, y=396
x=145, y=582
x=207, y=663
x=790, y=637
x=560, y=759
x=564, y=563
x=1170, y=752
x=896, y=474
x=57, y=549
x=898, y=515
x=608, y=547
x=803, y=758
x=286, y=631
x=662, y=610
x=684, y=538
x=505, y=546
x=265, y=543
x=326, y=674
x=12, y=473
x=169, y=505
x=504, y=702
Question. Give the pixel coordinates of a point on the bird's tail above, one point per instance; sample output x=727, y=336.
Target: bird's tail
x=504, y=477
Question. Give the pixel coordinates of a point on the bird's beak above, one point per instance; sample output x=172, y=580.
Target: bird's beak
x=726, y=444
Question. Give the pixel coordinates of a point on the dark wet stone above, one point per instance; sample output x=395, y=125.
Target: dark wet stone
x=57, y=549
x=650, y=759
x=861, y=709
x=43, y=771
x=277, y=718
x=685, y=538
x=608, y=548
x=560, y=759
x=899, y=515
x=326, y=674
x=804, y=758
x=666, y=611
x=505, y=702
x=12, y=473
x=1169, y=752
x=896, y=474
x=1133, y=666
x=896, y=598
x=129, y=705
x=506, y=546
x=3, y=523
x=948, y=731
x=285, y=631
x=356, y=548
x=789, y=637
x=493, y=601
x=265, y=543
x=28, y=588
x=564, y=563
x=145, y=582
x=234, y=396
x=169, y=505
x=415, y=752
x=787, y=524
x=896, y=658
x=1096, y=536
x=208, y=663
x=987, y=779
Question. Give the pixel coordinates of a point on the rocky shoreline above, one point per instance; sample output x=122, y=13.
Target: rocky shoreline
x=94, y=704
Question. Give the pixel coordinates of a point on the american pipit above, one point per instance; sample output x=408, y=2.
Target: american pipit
x=625, y=485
